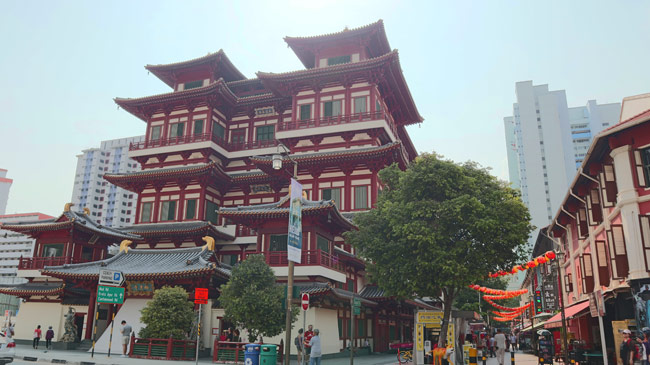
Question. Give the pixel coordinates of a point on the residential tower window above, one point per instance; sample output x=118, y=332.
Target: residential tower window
x=332, y=108
x=360, y=197
x=176, y=130
x=278, y=242
x=155, y=133
x=360, y=105
x=338, y=60
x=168, y=211
x=193, y=84
x=218, y=130
x=333, y=194
x=211, y=214
x=145, y=215
x=190, y=209
x=305, y=112
x=265, y=133
x=198, y=126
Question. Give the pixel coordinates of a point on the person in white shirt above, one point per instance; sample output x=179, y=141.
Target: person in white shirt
x=513, y=342
x=500, y=340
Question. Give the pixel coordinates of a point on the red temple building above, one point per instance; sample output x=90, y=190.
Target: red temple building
x=207, y=171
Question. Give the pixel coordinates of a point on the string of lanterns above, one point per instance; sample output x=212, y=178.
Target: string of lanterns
x=505, y=293
x=539, y=260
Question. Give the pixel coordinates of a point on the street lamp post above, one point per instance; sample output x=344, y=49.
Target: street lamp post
x=277, y=165
x=559, y=255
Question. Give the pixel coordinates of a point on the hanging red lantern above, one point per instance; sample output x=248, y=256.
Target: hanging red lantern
x=550, y=255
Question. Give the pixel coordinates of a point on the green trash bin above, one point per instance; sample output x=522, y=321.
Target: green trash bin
x=268, y=355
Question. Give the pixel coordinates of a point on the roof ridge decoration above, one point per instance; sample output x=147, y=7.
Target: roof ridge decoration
x=209, y=243
x=124, y=246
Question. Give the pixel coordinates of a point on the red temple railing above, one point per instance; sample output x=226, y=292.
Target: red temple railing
x=339, y=119
x=308, y=258
x=233, y=352
x=162, y=349
x=34, y=263
x=203, y=137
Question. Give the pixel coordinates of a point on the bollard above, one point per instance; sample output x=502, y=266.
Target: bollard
x=472, y=356
x=484, y=357
x=512, y=358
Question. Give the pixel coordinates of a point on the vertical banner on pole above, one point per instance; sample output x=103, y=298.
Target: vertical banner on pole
x=294, y=240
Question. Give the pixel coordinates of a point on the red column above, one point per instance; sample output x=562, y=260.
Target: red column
x=91, y=314
x=373, y=189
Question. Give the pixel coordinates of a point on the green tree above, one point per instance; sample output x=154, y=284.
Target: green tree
x=170, y=313
x=252, y=300
x=439, y=226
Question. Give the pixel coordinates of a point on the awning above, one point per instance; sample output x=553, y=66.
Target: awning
x=536, y=326
x=570, y=312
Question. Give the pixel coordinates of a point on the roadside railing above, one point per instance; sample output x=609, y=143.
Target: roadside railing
x=233, y=352
x=162, y=349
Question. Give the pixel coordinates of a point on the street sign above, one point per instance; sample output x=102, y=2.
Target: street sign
x=111, y=278
x=428, y=317
x=356, y=306
x=419, y=337
x=200, y=296
x=305, y=301
x=110, y=294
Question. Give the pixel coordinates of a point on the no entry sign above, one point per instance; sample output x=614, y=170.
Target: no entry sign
x=305, y=301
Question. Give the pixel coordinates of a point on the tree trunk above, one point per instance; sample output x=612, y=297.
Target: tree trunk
x=449, y=295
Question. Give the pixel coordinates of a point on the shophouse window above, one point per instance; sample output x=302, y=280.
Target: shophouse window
x=176, y=130
x=360, y=197
x=332, y=108
x=333, y=194
x=338, y=60
x=278, y=242
x=155, y=133
x=218, y=130
x=266, y=133
x=145, y=216
x=322, y=243
x=198, y=126
x=360, y=105
x=617, y=252
x=193, y=84
x=190, y=209
x=305, y=112
x=211, y=214
x=168, y=211
x=642, y=163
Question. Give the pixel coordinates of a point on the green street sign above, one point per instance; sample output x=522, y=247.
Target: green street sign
x=110, y=294
x=356, y=310
x=356, y=302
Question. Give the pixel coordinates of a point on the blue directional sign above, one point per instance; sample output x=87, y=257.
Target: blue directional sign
x=111, y=277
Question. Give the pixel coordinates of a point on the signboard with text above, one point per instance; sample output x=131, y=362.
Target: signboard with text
x=200, y=296
x=550, y=293
x=111, y=277
x=294, y=240
x=110, y=294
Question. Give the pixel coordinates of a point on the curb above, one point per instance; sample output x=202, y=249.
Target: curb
x=54, y=361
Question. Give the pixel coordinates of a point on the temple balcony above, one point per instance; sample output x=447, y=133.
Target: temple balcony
x=338, y=124
x=313, y=263
x=202, y=141
x=30, y=266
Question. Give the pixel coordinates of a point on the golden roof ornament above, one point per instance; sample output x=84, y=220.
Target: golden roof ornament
x=124, y=246
x=86, y=211
x=66, y=207
x=209, y=243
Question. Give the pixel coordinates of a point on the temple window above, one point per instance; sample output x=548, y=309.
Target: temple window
x=145, y=216
x=218, y=130
x=266, y=133
x=332, y=194
x=198, y=126
x=278, y=242
x=360, y=197
x=52, y=250
x=192, y=84
x=211, y=214
x=168, y=211
x=339, y=60
x=176, y=130
x=305, y=112
x=155, y=133
x=230, y=259
x=190, y=209
x=238, y=135
x=332, y=108
x=377, y=106
x=360, y=105
x=322, y=243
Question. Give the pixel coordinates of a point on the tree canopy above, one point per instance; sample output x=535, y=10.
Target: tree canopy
x=251, y=299
x=439, y=226
x=169, y=313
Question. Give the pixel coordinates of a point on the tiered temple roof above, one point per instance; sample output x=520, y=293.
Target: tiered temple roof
x=40, y=288
x=172, y=230
x=217, y=63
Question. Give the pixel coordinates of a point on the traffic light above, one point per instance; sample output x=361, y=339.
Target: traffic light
x=538, y=301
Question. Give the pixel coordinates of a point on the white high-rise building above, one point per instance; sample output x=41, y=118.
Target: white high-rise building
x=108, y=204
x=5, y=185
x=546, y=141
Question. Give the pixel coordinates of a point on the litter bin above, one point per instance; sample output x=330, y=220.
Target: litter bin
x=252, y=354
x=269, y=355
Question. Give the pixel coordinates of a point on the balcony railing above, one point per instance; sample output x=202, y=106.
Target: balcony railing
x=339, y=119
x=35, y=263
x=243, y=231
x=203, y=137
x=309, y=258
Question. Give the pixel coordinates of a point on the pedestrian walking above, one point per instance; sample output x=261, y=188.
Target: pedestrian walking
x=298, y=341
x=126, y=337
x=49, y=335
x=628, y=349
x=316, y=352
x=308, y=335
x=500, y=340
x=513, y=342
x=491, y=346
x=37, y=336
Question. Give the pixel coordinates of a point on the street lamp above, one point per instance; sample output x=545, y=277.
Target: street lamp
x=559, y=255
x=277, y=160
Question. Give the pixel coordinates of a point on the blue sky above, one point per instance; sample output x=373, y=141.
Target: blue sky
x=63, y=62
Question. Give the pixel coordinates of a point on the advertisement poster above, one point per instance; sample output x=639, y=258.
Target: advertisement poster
x=294, y=240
